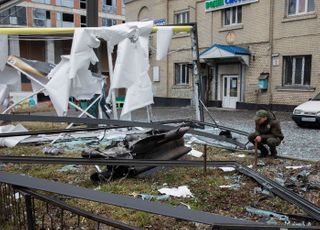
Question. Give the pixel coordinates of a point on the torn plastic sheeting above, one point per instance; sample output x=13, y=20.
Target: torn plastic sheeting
x=3, y=51
x=195, y=153
x=265, y=213
x=83, y=87
x=164, y=37
x=12, y=141
x=181, y=191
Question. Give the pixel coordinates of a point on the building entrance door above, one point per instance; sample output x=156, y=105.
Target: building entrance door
x=231, y=92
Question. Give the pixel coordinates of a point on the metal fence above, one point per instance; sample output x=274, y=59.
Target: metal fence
x=25, y=209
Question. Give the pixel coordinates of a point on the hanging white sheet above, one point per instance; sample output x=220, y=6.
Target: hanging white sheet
x=131, y=68
x=60, y=87
x=164, y=37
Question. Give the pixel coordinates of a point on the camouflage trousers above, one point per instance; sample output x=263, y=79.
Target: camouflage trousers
x=272, y=142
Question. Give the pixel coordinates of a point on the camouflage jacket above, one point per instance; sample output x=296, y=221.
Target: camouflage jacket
x=271, y=128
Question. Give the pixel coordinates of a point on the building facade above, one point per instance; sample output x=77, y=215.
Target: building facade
x=54, y=13
x=253, y=52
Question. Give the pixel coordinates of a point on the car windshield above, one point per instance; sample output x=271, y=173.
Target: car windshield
x=316, y=98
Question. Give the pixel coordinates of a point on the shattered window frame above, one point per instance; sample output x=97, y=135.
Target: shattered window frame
x=40, y=18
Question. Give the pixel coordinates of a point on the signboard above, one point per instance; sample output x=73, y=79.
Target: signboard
x=160, y=22
x=213, y=5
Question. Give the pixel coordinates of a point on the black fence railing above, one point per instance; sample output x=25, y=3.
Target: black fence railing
x=22, y=208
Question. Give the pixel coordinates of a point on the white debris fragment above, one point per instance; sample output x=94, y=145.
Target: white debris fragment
x=12, y=141
x=182, y=191
x=227, y=169
x=195, y=153
x=298, y=167
x=17, y=195
x=241, y=155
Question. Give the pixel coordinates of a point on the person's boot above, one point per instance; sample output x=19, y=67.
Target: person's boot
x=263, y=151
x=273, y=152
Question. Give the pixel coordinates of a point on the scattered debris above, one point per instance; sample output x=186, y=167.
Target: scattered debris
x=232, y=186
x=149, y=197
x=298, y=167
x=51, y=150
x=181, y=191
x=195, y=153
x=265, y=213
x=12, y=141
x=227, y=169
x=69, y=168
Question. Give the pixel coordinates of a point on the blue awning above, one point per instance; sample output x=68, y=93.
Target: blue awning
x=218, y=51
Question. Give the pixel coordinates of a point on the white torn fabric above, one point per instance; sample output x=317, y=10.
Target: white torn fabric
x=131, y=68
x=12, y=141
x=164, y=37
x=61, y=87
x=82, y=53
x=182, y=191
x=58, y=87
x=3, y=51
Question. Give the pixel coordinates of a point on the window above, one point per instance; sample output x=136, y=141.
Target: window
x=108, y=22
x=109, y=2
x=297, y=70
x=67, y=17
x=182, y=74
x=66, y=3
x=15, y=15
x=182, y=17
x=64, y=20
x=83, y=4
x=42, y=1
x=41, y=18
x=296, y=7
x=232, y=16
x=83, y=21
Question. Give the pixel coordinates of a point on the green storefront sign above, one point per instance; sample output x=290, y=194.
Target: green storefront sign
x=213, y=5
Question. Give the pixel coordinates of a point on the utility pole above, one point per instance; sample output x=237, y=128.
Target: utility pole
x=92, y=21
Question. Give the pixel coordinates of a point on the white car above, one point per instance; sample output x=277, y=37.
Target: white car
x=308, y=113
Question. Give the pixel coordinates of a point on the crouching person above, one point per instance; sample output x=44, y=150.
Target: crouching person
x=268, y=132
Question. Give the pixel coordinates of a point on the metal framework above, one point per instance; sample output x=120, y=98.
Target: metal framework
x=114, y=123
x=29, y=184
